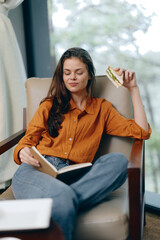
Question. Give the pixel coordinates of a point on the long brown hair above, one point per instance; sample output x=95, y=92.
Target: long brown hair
x=60, y=94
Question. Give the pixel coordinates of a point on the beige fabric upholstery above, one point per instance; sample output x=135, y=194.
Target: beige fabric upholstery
x=36, y=90
x=8, y=194
x=109, y=219
x=106, y=221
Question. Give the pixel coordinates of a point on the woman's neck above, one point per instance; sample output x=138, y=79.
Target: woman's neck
x=80, y=101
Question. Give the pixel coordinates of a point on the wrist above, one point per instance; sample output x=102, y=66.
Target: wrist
x=133, y=89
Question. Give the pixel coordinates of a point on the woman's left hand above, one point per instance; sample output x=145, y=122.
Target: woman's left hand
x=129, y=81
x=129, y=78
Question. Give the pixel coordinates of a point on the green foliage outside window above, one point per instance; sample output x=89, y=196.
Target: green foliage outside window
x=108, y=29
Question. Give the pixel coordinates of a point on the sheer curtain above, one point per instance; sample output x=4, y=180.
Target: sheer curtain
x=12, y=91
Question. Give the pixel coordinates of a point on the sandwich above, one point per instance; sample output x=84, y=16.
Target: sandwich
x=114, y=77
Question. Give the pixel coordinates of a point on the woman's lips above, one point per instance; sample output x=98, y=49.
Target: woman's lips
x=73, y=84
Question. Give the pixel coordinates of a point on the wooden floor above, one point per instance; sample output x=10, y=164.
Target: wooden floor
x=152, y=227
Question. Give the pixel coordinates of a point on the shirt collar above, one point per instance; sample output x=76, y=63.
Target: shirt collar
x=88, y=108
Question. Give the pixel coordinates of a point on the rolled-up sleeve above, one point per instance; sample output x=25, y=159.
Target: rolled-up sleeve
x=118, y=125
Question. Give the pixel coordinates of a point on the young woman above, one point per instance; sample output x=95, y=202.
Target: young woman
x=67, y=129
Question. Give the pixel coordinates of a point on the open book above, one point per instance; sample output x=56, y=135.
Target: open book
x=67, y=174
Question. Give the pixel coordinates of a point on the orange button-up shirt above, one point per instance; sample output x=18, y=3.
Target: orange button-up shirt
x=81, y=131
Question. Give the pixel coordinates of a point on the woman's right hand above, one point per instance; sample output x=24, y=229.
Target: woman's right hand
x=26, y=156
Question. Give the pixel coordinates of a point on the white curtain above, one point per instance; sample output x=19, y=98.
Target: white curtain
x=12, y=90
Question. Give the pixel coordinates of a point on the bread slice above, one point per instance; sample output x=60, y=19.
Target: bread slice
x=114, y=77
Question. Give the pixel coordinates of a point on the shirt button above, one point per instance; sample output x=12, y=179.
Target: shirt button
x=70, y=139
x=74, y=120
x=65, y=153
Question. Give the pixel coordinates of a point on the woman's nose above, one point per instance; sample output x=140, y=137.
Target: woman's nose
x=73, y=76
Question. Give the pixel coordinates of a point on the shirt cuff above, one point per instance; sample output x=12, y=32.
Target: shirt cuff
x=146, y=134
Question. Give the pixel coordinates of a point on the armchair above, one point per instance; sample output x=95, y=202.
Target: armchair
x=121, y=214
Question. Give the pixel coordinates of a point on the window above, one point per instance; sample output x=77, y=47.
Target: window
x=118, y=33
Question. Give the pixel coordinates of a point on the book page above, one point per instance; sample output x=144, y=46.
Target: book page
x=74, y=167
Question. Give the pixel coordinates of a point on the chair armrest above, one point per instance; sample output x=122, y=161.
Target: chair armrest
x=11, y=141
x=136, y=155
x=136, y=189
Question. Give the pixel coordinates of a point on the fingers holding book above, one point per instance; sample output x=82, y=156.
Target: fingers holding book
x=26, y=156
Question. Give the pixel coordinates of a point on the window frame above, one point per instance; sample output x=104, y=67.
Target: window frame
x=35, y=15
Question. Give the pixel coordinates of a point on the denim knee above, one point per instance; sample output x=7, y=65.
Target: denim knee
x=114, y=155
x=118, y=161
x=122, y=159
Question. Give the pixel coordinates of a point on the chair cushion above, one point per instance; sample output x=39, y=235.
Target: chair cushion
x=7, y=195
x=107, y=221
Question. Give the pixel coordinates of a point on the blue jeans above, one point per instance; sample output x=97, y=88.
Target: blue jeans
x=107, y=174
